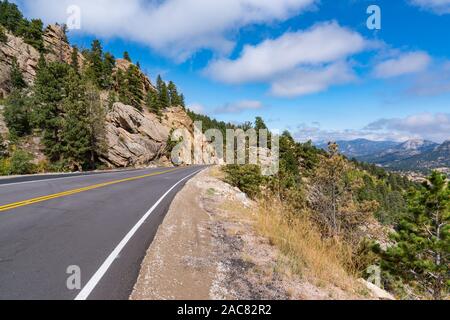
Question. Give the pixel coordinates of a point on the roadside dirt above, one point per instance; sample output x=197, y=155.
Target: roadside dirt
x=207, y=249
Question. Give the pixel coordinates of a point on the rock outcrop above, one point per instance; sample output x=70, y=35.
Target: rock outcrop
x=132, y=138
x=27, y=59
x=57, y=45
x=135, y=138
x=57, y=48
x=3, y=127
x=122, y=64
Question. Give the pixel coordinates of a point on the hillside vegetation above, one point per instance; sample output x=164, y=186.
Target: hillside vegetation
x=335, y=218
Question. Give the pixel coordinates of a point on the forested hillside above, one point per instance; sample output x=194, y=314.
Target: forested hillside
x=356, y=216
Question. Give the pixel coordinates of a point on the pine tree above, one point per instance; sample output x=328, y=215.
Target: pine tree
x=153, y=103
x=50, y=90
x=109, y=63
x=3, y=36
x=10, y=16
x=126, y=56
x=182, y=101
x=163, y=94
x=95, y=123
x=75, y=137
x=95, y=69
x=134, y=87
x=17, y=81
x=32, y=32
x=421, y=256
x=175, y=99
x=74, y=59
x=17, y=113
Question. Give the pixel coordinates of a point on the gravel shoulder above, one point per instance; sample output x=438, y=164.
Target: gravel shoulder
x=207, y=249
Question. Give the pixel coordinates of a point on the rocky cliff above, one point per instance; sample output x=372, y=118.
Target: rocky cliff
x=133, y=137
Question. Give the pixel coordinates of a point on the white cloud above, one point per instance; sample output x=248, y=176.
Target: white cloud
x=407, y=63
x=174, y=27
x=435, y=127
x=433, y=82
x=437, y=6
x=240, y=106
x=323, y=43
x=307, y=81
x=197, y=108
x=316, y=134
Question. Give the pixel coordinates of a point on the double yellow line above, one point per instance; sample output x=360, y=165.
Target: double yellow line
x=75, y=191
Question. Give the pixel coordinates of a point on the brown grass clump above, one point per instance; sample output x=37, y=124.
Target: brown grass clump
x=316, y=259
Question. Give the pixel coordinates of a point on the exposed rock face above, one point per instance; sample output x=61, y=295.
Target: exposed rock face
x=27, y=59
x=3, y=128
x=135, y=138
x=59, y=49
x=27, y=56
x=122, y=64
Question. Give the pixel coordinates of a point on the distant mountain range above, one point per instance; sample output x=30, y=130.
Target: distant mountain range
x=412, y=155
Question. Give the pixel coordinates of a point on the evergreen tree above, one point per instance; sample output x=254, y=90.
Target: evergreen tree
x=3, y=36
x=10, y=16
x=17, y=81
x=163, y=94
x=109, y=63
x=95, y=69
x=17, y=113
x=126, y=56
x=175, y=98
x=421, y=256
x=74, y=59
x=50, y=90
x=153, y=103
x=182, y=101
x=134, y=87
x=32, y=32
x=75, y=137
x=95, y=124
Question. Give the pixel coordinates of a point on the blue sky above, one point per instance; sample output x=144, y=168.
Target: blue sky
x=309, y=66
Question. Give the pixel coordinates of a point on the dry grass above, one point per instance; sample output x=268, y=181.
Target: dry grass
x=309, y=256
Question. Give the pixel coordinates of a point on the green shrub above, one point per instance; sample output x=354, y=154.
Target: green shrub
x=20, y=163
x=3, y=36
x=247, y=178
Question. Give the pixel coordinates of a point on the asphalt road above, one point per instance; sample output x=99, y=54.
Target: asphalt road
x=99, y=223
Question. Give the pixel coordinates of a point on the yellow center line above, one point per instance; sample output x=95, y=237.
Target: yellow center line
x=75, y=191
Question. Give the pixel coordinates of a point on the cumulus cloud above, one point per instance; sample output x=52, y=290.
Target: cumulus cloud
x=305, y=81
x=433, y=82
x=437, y=6
x=314, y=133
x=429, y=126
x=239, y=107
x=321, y=44
x=407, y=63
x=435, y=127
x=174, y=27
x=197, y=108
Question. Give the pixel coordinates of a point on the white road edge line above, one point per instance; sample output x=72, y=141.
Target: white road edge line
x=92, y=283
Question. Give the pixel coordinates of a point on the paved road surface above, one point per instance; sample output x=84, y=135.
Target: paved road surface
x=102, y=223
